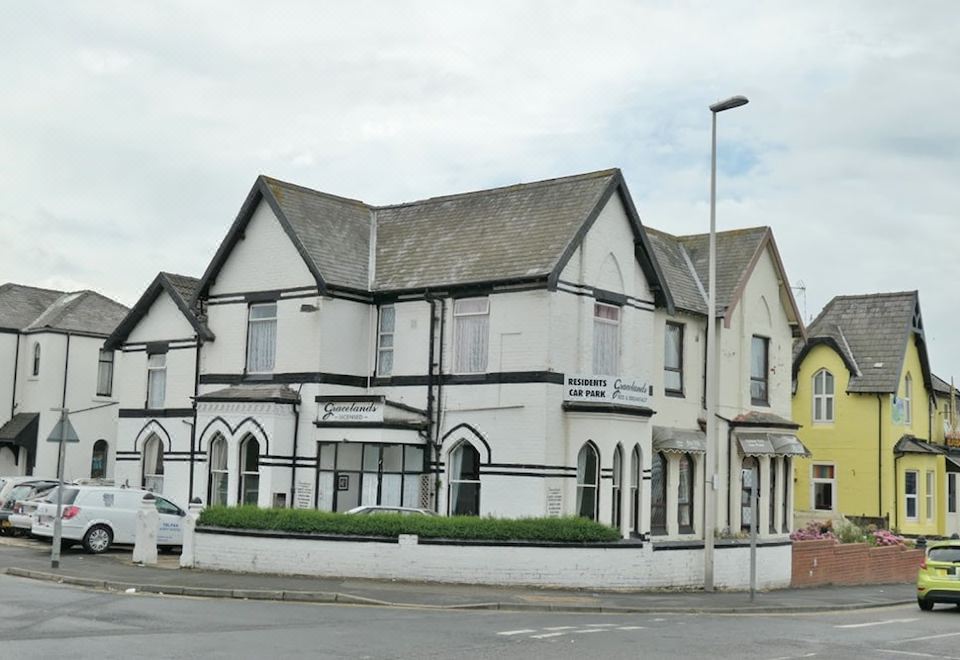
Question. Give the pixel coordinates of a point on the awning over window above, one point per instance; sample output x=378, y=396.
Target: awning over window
x=679, y=441
x=756, y=444
x=21, y=431
x=953, y=462
x=788, y=444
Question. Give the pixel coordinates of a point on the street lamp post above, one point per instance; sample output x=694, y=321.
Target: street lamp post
x=710, y=469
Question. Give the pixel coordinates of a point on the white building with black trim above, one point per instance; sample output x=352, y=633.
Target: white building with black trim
x=490, y=353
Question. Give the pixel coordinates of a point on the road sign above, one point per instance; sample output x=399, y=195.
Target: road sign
x=70, y=434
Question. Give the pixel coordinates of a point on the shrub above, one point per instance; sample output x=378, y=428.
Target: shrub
x=814, y=531
x=847, y=532
x=390, y=525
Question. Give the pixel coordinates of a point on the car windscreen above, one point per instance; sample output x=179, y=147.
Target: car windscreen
x=19, y=492
x=948, y=554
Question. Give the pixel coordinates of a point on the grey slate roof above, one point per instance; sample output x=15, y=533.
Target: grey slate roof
x=334, y=231
x=31, y=309
x=518, y=231
x=185, y=286
x=757, y=418
x=871, y=331
x=265, y=392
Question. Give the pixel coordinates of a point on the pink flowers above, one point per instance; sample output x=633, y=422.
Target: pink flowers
x=814, y=531
x=846, y=533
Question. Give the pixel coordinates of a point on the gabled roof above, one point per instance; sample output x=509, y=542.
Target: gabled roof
x=29, y=309
x=942, y=387
x=685, y=262
x=871, y=333
x=524, y=232
x=181, y=289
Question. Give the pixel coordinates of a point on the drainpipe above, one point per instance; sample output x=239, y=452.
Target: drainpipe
x=193, y=427
x=880, y=457
x=443, y=322
x=63, y=398
x=896, y=507
x=296, y=437
x=430, y=425
x=16, y=359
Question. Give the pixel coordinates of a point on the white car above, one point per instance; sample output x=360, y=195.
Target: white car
x=101, y=516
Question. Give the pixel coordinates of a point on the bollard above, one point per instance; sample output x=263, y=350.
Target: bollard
x=148, y=523
x=188, y=556
x=921, y=542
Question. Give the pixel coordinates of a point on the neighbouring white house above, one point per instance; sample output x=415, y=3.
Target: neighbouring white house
x=502, y=352
x=52, y=356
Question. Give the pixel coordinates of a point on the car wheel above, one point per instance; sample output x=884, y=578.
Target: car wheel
x=98, y=539
x=924, y=604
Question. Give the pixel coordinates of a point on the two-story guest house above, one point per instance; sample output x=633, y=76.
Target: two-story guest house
x=865, y=395
x=757, y=323
x=489, y=353
x=52, y=356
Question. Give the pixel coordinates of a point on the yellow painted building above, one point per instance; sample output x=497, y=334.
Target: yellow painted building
x=865, y=398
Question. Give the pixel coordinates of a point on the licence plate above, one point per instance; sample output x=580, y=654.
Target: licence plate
x=5, y=523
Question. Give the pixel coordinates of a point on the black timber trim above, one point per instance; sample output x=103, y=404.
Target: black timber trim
x=244, y=294
x=397, y=426
x=159, y=284
x=719, y=544
x=368, y=398
x=143, y=413
x=350, y=380
x=793, y=426
x=608, y=408
x=831, y=343
x=259, y=192
x=539, y=475
x=532, y=466
x=285, y=378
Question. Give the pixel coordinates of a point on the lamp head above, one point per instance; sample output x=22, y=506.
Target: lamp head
x=729, y=104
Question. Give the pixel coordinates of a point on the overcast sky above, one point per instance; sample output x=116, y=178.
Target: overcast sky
x=130, y=133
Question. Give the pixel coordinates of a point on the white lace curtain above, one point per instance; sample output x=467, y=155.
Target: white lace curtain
x=156, y=380
x=262, y=338
x=472, y=332
x=153, y=465
x=606, y=339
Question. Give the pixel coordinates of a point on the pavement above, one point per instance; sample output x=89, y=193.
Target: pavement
x=115, y=571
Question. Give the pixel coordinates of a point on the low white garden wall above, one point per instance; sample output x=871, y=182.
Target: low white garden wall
x=614, y=566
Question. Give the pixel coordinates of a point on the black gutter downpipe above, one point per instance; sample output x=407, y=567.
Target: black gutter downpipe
x=193, y=427
x=880, y=457
x=896, y=507
x=443, y=320
x=16, y=359
x=430, y=424
x=296, y=437
x=63, y=398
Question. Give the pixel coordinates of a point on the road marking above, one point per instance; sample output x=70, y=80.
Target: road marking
x=507, y=633
x=794, y=657
x=875, y=623
x=632, y=628
x=923, y=639
x=546, y=635
x=561, y=628
x=919, y=655
x=601, y=625
x=588, y=630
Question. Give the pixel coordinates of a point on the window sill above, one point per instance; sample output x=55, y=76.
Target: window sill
x=677, y=394
x=761, y=404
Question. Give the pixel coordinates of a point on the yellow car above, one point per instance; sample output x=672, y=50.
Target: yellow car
x=939, y=578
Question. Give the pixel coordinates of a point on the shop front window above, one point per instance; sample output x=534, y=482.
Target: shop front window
x=353, y=473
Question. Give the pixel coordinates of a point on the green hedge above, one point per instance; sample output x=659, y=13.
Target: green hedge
x=304, y=521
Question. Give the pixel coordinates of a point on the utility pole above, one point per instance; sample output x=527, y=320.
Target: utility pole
x=57, y=521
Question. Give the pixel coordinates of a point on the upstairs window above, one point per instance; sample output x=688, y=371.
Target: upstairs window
x=673, y=359
x=823, y=396
x=156, y=380
x=388, y=319
x=907, y=398
x=471, y=331
x=606, y=339
x=105, y=373
x=36, y=358
x=759, y=366
x=261, y=338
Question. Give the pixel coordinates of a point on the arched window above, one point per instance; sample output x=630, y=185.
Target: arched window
x=636, y=470
x=685, y=494
x=152, y=468
x=658, y=494
x=249, y=471
x=217, y=462
x=36, y=358
x=749, y=479
x=907, y=398
x=464, y=495
x=616, y=487
x=98, y=462
x=588, y=475
x=823, y=399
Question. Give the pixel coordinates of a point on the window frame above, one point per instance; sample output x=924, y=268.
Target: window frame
x=930, y=486
x=261, y=321
x=659, y=464
x=161, y=464
x=690, y=504
x=909, y=497
x=35, y=371
x=381, y=349
x=616, y=488
x=223, y=473
x=583, y=485
x=245, y=472
x=412, y=468
x=152, y=369
x=823, y=397
x=100, y=443
x=108, y=389
x=679, y=327
x=908, y=400
x=831, y=481
x=601, y=369
x=765, y=381
x=458, y=479
x=460, y=364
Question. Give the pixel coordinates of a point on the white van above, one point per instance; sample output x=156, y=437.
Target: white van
x=101, y=516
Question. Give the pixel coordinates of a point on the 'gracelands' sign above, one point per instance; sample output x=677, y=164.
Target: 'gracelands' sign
x=345, y=410
x=621, y=390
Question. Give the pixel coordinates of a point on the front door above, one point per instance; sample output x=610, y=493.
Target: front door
x=953, y=503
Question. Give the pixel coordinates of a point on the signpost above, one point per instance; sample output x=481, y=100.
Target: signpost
x=62, y=433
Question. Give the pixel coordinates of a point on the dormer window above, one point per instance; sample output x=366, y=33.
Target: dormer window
x=262, y=338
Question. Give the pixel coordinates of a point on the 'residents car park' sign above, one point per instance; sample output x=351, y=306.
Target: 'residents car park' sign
x=593, y=388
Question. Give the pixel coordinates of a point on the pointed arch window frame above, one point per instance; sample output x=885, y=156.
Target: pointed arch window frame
x=826, y=411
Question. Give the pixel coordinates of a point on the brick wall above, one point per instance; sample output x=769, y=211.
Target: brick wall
x=825, y=562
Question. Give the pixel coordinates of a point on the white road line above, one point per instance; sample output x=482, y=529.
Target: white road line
x=546, y=635
x=923, y=639
x=875, y=623
x=632, y=628
x=918, y=655
x=588, y=630
x=561, y=628
x=794, y=657
x=601, y=625
x=507, y=633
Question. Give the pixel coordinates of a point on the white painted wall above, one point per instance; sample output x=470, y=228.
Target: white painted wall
x=163, y=321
